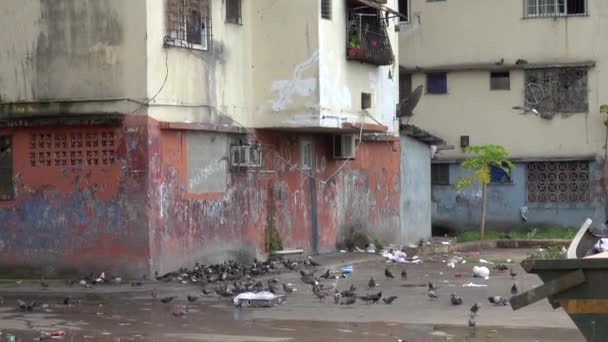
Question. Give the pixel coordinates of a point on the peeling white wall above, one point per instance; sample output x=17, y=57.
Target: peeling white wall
x=342, y=82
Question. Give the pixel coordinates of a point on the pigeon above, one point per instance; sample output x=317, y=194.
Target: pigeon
x=137, y=283
x=154, y=294
x=388, y=273
x=289, y=288
x=498, y=300
x=432, y=295
x=206, y=292
x=521, y=61
x=501, y=267
x=372, y=283
x=512, y=274
x=308, y=279
x=307, y=274
x=389, y=300
x=350, y=292
x=404, y=275
x=44, y=284
x=167, y=299
x=312, y=262
x=179, y=313
x=66, y=301
x=455, y=300
x=500, y=62
x=192, y=299
x=475, y=309
x=325, y=275
x=25, y=306
x=319, y=292
x=337, y=297
x=371, y=297
x=433, y=286
x=275, y=281
x=348, y=300
x=471, y=323
x=514, y=290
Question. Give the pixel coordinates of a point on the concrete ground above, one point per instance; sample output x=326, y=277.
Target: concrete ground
x=112, y=313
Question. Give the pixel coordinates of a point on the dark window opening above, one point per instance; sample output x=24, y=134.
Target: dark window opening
x=6, y=169
x=557, y=90
x=188, y=23
x=440, y=174
x=577, y=7
x=233, y=11
x=500, y=81
x=436, y=83
x=498, y=175
x=404, y=10
x=366, y=100
x=405, y=85
x=326, y=9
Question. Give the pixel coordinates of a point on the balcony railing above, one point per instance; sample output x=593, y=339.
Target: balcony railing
x=367, y=40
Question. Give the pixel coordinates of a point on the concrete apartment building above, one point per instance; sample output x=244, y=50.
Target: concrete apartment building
x=477, y=61
x=143, y=135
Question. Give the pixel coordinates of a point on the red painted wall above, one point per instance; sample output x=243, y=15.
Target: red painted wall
x=80, y=195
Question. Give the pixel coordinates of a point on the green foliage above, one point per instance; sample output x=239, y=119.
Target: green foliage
x=272, y=239
x=479, y=159
x=360, y=239
x=548, y=253
x=354, y=41
x=378, y=245
x=534, y=233
x=604, y=108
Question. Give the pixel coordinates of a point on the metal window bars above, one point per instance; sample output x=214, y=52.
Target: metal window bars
x=367, y=39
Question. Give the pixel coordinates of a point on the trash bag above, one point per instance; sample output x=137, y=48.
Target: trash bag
x=600, y=231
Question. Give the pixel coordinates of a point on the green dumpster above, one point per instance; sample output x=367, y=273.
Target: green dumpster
x=579, y=286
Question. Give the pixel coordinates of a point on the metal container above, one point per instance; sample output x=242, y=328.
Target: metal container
x=579, y=286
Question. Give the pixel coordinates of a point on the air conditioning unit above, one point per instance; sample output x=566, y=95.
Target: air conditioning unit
x=344, y=146
x=246, y=156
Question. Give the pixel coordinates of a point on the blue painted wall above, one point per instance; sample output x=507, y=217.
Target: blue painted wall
x=461, y=209
x=415, y=195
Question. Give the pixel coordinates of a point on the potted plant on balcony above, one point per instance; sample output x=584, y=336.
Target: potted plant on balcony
x=354, y=45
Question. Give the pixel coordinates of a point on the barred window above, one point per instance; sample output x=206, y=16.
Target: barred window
x=188, y=23
x=557, y=90
x=233, y=11
x=71, y=149
x=555, y=8
x=558, y=182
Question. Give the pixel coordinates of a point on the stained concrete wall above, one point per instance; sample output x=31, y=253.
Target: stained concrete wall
x=487, y=31
x=70, y=214
x=461, y=209
x=342, y=81
x=186, y=226
x=208, y=161
x=72, y=50
x=415, y=192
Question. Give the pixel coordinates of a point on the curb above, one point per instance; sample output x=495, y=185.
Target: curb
x=474, y=245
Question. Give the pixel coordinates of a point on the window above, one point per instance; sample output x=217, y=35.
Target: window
x=558, y=182
x=366, y=100
x=404, y=9
x=557, y=90
x=233, y=11
x=555, y=8
x=306, y=154
x=188, y=23
x=6, y=168
x=436, y=83
x=440, y=174
x=500, y=81
x=499, y=175
x=326, y=9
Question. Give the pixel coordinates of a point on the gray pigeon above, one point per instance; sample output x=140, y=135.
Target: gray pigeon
x=455, y=300
x=432, y=295
x=514, y=290
x=498, y=300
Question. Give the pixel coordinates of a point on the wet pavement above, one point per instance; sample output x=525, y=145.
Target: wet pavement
x=108, y=314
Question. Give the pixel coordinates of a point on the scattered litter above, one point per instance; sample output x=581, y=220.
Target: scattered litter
x=484, y=261
x=347, y=269
x=440, y=333
x=445, y=243
x=471, y=284
x=394, y=255
x=359, y=250
x=371, y=249
x=457, y=275
x=124, y=324
x=411, y=245
x=509, y=261
x=601, y=246
x=260, y=299
x=342, y=251
x=481, y=272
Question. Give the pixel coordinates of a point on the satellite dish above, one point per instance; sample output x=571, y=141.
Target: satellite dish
x=407, y=104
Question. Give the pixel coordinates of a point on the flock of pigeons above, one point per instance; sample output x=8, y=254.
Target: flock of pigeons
x=230, y=278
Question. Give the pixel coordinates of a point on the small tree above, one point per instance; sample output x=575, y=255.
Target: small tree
x=479, y=159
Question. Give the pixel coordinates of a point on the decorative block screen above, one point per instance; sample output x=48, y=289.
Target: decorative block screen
x=72, y=149
x=558, y=182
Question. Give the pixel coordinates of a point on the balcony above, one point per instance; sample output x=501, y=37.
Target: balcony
x=367, y=38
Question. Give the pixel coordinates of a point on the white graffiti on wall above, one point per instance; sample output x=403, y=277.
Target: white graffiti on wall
x=296, y=85
x=199, y=176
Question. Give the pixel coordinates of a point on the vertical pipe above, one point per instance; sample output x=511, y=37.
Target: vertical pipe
x=313, y=199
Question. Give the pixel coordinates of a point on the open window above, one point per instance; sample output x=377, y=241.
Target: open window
x=6, y=168
x=367, y=38
x=188, y=24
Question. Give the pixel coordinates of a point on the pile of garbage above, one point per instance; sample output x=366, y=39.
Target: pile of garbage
x=590, y=242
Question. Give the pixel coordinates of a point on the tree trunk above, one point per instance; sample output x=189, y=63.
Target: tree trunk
x=482, y=226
